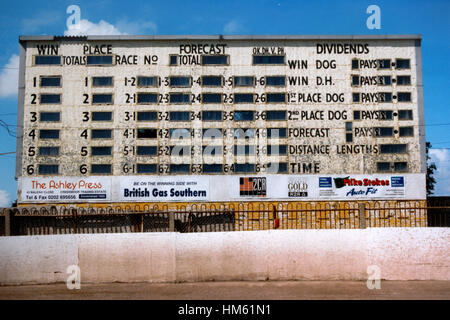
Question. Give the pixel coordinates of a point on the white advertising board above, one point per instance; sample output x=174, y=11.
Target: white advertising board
x=65, y=189
x=222, y=188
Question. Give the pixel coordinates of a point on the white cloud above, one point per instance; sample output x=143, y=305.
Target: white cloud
x=441, y=157
x=122, y=27
x=9, y=77
x=85, y=27
x=136, y=26
x=5, y=199
x=232, y=27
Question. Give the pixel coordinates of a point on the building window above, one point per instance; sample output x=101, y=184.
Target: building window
x=404, y=96
x=405, y=115
x=386, y=115
x=102, y=81
x=212, y=98
x=400, y=166
x=147, y=81
x=173, y=60
x=244, y=81
x=355, y=81
x=180, y=150
x=212, y=150
x=47, y=60
x=275, y=81
x=212, y=81
x=349, y=131
x=99, y=60
x=146, y=98
x=180, y=98
x=49, y=116
x=393, y=148
x=276, y=133
x=47, y=98
x=388, y=166
x=276, y=115
x=277, y=167
x=244, y=115
x=180, y=82
x=403, y=80
x=212, y=168
x=384, y=80
x=147, y=116
x=146, y=168
x=48, y=134
x=102, y=98
x=51, y=81
x=101, y=133
x=384, y=132
x=406, y=131
x=241, y=133
x=384, y=64
x=48, y=169
x=179, y=116
x=276, y=98
x=269, y=59
x=244, y=167
x=101, y=116
x=180, y=168
x=147, y=150
x=214, y=60
x=355, y=97
x=355, y=64
x=49, y=151
x=243, y=97
x=277, y=150
x=212, y=115
x=356, y=115
x=180, y=133
x=383, y=166
x=385, y=96
x=212, y=133
x=402, y=64
x=101, y=151
x=101, y=168
x=145, y=133
x=242, y=149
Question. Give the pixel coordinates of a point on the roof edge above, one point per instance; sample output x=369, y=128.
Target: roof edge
x=222, y=37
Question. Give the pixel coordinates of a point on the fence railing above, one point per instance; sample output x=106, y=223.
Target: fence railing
x=238, y=217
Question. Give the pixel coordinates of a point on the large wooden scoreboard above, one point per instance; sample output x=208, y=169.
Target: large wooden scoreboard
x=145, y=119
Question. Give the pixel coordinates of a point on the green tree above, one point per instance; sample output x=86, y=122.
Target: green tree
x=431, y=167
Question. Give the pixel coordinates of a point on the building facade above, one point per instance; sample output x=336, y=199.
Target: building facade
x=213, y=119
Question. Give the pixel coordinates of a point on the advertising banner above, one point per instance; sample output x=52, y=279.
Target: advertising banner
x=65, y=189
x=176, y=188
x=222, y=188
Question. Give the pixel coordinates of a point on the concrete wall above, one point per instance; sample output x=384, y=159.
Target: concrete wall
x=400, y=253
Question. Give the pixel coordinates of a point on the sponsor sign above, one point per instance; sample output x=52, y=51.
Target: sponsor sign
x=297, y=188
x=176, y=188
x=65, y=189
x=253, y=186
x=220, y=188
x=362, y=186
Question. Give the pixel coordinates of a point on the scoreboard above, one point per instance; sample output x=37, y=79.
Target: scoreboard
x=220, y=118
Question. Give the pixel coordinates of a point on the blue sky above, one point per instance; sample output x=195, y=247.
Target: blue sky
x=429, y=18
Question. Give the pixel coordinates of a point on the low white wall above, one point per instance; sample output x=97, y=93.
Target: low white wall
x=400, y=253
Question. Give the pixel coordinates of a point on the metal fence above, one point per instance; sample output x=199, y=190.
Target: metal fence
x=231, y=217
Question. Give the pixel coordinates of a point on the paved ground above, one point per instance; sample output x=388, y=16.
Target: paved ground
x=275, y=290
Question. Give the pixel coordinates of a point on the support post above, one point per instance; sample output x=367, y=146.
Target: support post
x=74, y=217
x=8, y=214
x=171, y=221
x=362, y=215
